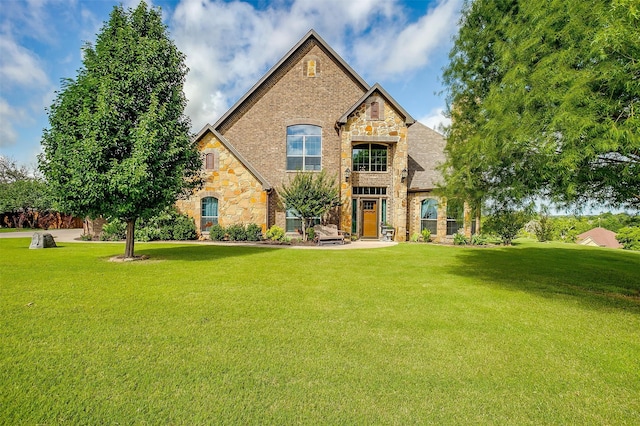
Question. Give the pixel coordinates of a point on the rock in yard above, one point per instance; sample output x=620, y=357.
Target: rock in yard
x=41, y=240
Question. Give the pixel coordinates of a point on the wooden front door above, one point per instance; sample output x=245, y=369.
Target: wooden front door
x=369, y=219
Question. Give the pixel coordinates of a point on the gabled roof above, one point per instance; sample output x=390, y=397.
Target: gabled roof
x=208, y=128
x=601, y=236
x=377, y=88
x=425, y=153
x=311, y=35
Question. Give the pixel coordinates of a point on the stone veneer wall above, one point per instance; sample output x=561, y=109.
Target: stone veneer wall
x=241, y=199
x=293, y=96
x=414, y=211
x=392, y=131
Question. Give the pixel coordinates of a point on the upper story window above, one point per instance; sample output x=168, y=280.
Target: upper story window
x=369, y=157
x=304, y=147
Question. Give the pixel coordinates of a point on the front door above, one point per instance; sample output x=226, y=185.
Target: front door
x=369, y=219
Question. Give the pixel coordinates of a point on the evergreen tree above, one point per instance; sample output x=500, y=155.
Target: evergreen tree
x=118, y=144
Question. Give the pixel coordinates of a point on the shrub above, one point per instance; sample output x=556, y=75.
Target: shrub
x=184, y=228
x=275, y=233
x=629, y=237
x=459, y=239
x=479, y=240
x=237, y=232
x=148, y=233
x=506, y=223
x=254, y=232
x=168, y=224
x=113, y=230
x=217, y=233
x=311, y=234
x=543, y=228
x=426, y=235
x=165, y=233
x=414, y=237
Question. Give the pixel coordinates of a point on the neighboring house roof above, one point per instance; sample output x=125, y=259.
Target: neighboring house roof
x=377, y=88
x=426, y=152
x=272, y=73
x=600, y=236
x=208, y=128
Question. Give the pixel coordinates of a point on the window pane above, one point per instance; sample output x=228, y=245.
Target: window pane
x=429, y=209
x=312, y=163
x=294, y=163
x=294, y=145
x=379, y=160
x=209, y=216
x=360, y=158
x=304, y=147
x=209, y=206
x=304, y=129
x=431, y=225
x=313, y=145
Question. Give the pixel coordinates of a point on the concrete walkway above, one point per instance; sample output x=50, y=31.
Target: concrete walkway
x=73, y=236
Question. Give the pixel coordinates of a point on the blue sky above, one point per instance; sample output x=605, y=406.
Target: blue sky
x=401, y=44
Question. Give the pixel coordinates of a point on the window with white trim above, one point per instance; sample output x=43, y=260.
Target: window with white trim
x=304, y=147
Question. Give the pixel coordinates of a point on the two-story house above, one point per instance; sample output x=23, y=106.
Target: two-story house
x=311, y=111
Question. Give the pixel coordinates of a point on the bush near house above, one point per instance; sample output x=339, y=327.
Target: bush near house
x=275, y=233
x=167, y=225
x=236, y=232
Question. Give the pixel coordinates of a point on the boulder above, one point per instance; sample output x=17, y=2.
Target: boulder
x=41, y=240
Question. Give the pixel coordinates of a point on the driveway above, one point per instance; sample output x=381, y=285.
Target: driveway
x=60, y=235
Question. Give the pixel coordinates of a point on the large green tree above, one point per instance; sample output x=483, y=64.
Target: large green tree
x=544, y=98
x=118, y=143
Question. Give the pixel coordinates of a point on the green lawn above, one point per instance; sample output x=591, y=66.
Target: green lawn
x=416, y=333
x=7, y=230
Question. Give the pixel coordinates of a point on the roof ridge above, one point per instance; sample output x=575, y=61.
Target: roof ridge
x=311, y=34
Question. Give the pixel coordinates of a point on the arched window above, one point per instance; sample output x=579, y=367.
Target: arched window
x=209, y=216
x=304, y=147
x=429, y=215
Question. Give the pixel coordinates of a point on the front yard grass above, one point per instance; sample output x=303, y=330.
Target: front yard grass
x=416, y=333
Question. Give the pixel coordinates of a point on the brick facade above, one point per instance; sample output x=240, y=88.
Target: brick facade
x=310, y=85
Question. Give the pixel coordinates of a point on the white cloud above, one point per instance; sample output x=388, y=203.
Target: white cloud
x=393, y=51
x=230, y=45
x=8, y=134
x=20, y=66
x=435, y=119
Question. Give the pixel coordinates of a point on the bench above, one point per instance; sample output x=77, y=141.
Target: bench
x=328, y=234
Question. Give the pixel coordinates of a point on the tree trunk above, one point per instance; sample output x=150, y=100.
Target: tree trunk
x=131, y=227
